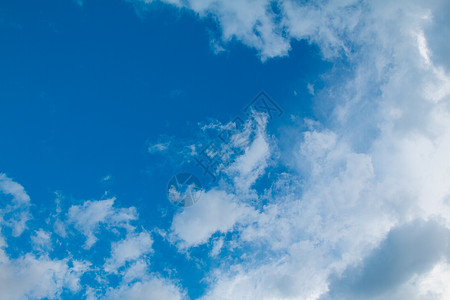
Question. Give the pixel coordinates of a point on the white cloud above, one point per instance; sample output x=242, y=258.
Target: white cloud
x=217, y=247
x=137, y=270
x=269, y=26
x=159, y=147
x=38, y=277
x=434, y=284
x=216, y=211
x=130, y=249
x=15, y=214
x=310, y=88
x=106, y=178
x=152, y=288
x=249, y=166
x=42, y=240
x=88, y=217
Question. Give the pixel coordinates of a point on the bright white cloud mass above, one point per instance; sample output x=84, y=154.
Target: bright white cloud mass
x=361, y=209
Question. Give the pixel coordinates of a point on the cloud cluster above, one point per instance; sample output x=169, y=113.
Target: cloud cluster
x=41, y=273
x=365, y=173
x=29, y=275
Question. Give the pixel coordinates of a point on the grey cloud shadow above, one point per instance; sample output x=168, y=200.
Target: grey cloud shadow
x=410, y=249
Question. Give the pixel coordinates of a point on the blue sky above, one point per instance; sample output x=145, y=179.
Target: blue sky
x=102, y=102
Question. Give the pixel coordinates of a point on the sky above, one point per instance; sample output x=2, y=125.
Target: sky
x=224, y=149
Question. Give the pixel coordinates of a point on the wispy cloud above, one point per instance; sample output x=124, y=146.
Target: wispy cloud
x=16, y=214
x=88, y=217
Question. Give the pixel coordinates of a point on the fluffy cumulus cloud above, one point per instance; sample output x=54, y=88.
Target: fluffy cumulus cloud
x=363, y=210
x=41, y=272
